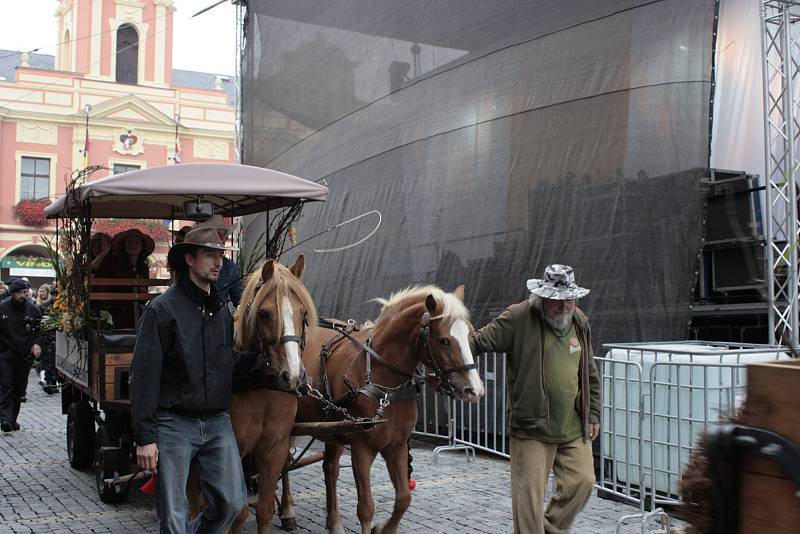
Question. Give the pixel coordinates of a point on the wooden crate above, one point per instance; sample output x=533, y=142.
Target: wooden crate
x=114, y=365
x=108, y=367
x=767, y=501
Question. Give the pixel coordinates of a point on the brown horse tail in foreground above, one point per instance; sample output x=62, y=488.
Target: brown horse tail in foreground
x=273, y=318
x=417, y=325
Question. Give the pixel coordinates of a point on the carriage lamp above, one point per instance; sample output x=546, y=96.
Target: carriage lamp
x=197, y=210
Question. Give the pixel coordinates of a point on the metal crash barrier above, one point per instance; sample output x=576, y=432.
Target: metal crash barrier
x=466, y=426
x=657, y=400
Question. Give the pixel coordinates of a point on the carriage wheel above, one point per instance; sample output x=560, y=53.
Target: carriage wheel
x=105, y=464
x=80, y=435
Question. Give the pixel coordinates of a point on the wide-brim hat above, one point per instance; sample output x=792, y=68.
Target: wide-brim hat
x=148, y=245
x=558, y=284
x=207, y=237
x=19, y=284
x=180, y=234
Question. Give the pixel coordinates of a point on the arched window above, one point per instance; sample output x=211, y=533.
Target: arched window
x=127, y=54
x=66, y=52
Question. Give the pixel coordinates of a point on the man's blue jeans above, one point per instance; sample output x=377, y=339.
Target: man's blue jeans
x=207, y=443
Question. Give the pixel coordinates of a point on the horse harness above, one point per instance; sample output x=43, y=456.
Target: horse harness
x=384, y=395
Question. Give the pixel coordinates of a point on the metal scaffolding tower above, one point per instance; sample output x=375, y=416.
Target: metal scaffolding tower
x=780, y=29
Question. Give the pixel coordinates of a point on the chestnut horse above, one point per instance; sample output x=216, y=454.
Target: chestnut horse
x=417, y=325
x=272, y=318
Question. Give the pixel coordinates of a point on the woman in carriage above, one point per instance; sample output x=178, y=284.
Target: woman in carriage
x=128, y=259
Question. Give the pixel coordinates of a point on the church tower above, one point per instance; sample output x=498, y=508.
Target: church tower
x=123, y=41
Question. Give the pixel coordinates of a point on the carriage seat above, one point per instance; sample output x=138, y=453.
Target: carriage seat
x=117, y=339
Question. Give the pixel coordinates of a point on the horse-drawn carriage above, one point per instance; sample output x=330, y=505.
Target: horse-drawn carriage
x=93, y=358
x=356, y=378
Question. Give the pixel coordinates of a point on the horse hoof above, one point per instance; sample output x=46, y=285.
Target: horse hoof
x=288, y=523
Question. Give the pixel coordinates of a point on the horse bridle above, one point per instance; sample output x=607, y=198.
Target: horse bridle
x=264, y=344
x=424, y=338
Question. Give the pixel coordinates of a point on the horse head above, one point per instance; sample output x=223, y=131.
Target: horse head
x=440, y=327
x=445, y=330
x=274, y=317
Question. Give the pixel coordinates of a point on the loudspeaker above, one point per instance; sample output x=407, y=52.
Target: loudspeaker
x=738, y=268
x=733, y=210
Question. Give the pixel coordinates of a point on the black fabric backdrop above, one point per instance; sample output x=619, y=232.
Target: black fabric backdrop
x=495, y=138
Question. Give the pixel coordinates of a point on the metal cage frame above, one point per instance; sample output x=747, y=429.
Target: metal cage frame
x=780, y=52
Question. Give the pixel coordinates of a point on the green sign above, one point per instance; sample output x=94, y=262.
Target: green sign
x=10, y=262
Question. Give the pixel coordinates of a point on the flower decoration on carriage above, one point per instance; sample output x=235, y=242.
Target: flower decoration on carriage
x=68, y=252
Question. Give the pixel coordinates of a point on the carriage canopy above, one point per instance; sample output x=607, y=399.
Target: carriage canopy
x=160, y=192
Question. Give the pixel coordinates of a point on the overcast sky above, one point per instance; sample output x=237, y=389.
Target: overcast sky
x=205, y=43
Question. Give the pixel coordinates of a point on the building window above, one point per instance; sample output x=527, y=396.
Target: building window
x=127, y=54
x=35, y=178
x=119, y=168
x=66, y=52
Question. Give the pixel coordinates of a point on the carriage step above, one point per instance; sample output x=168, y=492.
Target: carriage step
x=324, y=428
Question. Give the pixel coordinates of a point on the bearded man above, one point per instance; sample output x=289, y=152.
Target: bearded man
x=554, y=393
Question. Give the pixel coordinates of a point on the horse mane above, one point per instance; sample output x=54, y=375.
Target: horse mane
x=246, y=318
x=452, y=308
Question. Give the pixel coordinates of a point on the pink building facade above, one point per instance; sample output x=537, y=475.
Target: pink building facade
x=114, y=67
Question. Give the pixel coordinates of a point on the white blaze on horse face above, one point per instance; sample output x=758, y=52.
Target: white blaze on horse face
x=460, y=332
x=292, y=347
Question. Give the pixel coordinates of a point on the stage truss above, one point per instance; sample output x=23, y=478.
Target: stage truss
x=780, y=30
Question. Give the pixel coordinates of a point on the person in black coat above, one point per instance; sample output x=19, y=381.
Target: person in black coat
x=19, y=345
x=181, y=377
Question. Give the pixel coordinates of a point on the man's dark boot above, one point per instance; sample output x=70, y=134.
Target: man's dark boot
x=15, y=425
x=6, y=426
x=23, y=399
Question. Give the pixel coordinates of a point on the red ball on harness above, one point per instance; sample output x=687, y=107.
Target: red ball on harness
x=412, y=484
x=149, y=487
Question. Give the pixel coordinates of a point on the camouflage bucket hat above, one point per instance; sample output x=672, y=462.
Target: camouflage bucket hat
x=558, y=284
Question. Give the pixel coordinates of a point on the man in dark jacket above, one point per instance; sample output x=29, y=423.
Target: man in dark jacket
x=554, y=393
x=182, y=370
x=19, y=345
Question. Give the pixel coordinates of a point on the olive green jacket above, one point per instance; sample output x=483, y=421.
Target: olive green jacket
x=518, y=331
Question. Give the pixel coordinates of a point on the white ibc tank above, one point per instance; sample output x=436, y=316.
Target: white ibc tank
x=684, y=388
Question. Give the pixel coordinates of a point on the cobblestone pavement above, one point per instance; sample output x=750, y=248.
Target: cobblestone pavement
x=40, y=492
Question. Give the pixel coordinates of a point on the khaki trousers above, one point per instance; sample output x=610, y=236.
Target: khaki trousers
x=531, y=462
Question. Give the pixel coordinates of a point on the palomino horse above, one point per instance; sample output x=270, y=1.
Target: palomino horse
x=417, y=325
x=272, y=319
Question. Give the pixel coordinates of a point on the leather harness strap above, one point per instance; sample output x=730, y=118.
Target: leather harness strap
x=407, y=390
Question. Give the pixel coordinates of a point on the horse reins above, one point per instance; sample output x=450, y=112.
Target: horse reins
x=263, y=344
x=424, y=337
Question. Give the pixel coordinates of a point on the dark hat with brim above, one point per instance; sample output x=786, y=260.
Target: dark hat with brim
x=118, y=243
x=18, y=285
x=197, y=237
